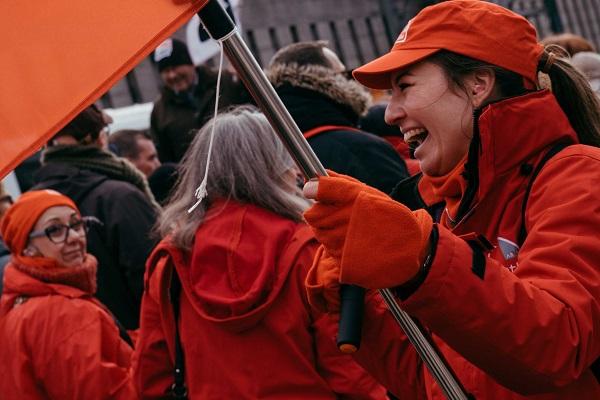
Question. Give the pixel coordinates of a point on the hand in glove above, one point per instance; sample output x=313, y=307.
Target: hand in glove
x=378, y=243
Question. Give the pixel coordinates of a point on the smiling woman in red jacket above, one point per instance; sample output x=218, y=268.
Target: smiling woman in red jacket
x=495, y=247
x=241, y=256
x=58, y=342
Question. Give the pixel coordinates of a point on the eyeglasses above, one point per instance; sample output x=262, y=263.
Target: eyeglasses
x=58, y=233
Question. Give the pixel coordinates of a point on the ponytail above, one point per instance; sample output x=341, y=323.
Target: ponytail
x=573, y=93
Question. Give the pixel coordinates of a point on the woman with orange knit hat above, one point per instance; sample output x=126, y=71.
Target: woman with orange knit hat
x=58, y=342
x=494, y=247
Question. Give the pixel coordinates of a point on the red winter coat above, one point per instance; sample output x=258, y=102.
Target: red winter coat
x=520, y=323
x=246, y=328
x=59, y=343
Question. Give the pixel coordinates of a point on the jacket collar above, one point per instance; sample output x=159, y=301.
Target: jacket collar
x=507, y=134
x=325, y=81
x=516, y=131
x=18, y=284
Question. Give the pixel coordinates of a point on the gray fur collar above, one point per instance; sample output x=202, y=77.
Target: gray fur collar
x=324, y=81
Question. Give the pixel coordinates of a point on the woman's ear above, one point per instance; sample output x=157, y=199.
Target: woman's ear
x=31, y=251
x=481, y=87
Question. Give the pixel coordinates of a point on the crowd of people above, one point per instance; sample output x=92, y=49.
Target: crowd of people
x=194, y=261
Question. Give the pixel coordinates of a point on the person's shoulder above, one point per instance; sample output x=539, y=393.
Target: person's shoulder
x=68, y=179
x=581, y=151
x=268, y=224
x=60, y=170
x=261, y=215
x=58, y=313
x=575, y=163
x=113, y=195
x=577, y=158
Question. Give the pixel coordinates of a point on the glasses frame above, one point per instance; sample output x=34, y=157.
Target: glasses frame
x=87, y=222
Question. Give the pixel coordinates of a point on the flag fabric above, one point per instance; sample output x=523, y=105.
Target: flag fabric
x=59, y=56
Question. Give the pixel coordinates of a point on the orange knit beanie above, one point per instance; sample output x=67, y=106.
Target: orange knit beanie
x=17, y=223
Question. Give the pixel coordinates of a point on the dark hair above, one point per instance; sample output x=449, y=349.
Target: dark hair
x=86, y=126
x=124, y=142
x=457, y=67
x=571, y=89
x=162, y=181
x=302, y=53
x=574, y=94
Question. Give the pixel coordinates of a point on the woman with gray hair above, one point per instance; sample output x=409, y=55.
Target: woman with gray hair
x=225, y=287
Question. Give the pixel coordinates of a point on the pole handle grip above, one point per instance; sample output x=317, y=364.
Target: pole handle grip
x=352, y=301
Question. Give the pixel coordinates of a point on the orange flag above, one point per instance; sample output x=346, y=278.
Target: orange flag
x=59, y=56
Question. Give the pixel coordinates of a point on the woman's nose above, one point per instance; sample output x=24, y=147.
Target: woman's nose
x=75, y=234
x=394, y=113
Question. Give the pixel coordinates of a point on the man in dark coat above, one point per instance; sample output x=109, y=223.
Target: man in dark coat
x=187, y=99
x=326, y=106
x=116, y=193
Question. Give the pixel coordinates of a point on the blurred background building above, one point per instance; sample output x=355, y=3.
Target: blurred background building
x=358, y=31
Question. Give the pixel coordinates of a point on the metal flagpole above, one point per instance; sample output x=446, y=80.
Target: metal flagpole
x=221, y=28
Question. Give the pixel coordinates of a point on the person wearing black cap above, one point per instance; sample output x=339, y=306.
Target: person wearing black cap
x=187, y=98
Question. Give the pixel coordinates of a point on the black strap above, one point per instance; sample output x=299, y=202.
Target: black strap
x=478, y=264
x=178, y=389
x=122, y=331
x=595, y=367
x=538, y=168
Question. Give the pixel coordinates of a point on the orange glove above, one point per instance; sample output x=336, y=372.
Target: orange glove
x=323, y=283
x=329, y=217
x=379, y=243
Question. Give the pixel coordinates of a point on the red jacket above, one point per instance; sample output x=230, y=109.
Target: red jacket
x=246, y=328
x=59, y=343
x=526, y=322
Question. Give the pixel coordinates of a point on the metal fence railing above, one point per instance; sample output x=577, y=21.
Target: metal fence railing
x=357, y=31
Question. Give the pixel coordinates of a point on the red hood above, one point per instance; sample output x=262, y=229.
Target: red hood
x=233, y=273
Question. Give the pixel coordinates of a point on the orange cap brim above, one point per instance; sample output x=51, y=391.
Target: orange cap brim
x=376, y=74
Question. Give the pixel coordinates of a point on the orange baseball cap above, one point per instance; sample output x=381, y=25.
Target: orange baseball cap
x=477, y=29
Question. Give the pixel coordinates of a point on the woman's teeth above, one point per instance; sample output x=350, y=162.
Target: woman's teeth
x=415, y=137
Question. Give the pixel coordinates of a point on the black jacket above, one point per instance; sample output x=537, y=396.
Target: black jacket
x=361, y=155
x=174, y=117
x=121, y=243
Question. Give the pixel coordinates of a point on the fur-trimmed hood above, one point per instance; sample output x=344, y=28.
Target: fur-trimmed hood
x=324, y=81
